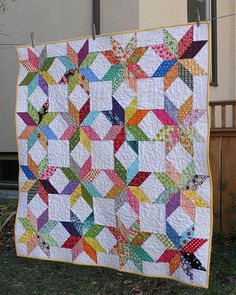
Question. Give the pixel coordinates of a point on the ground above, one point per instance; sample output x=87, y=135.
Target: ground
x=29, y=276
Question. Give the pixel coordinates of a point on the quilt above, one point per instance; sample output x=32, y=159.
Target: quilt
x=113, y=138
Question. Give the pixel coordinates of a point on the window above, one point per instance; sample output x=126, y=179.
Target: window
x=207, y=10
x=9, y=168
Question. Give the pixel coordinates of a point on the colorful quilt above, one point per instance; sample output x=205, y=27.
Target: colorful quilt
x=112, y=137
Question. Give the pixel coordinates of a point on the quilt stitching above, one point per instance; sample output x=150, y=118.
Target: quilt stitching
x=112, y=148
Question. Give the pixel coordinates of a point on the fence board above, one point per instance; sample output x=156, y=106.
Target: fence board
x=215, y=171
x=223, y=172
x=223, y=166
x=229, y=175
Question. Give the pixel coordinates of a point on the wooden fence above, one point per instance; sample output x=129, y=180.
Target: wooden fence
x=223, y=164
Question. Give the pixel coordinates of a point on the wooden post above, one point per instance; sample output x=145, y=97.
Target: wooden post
x=223, y=120
x=212, y=116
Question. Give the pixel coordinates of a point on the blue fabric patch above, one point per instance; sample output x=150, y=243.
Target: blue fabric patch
x=164, y=68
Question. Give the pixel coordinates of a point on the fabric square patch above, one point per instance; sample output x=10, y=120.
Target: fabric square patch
x=104, y=210
x=58, y=153
x=101, y=96
x=113, y=138
x=150, y=224
x=152, y=156
x=103, y=155
x=58, y=98
x=150, y=93
x=58, y=208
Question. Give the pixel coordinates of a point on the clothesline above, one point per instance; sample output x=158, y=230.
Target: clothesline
x=214, y=18
x=223, y=16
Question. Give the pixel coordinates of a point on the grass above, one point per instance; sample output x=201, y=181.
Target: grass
x=7, y=211
x=29, y=276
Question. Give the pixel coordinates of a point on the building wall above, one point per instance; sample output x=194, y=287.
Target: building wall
x=161, y=12
x=60, y=19
x=49, y=20
x=157, y=13
x=166, y=12
x=119, y=15
x=234, y=11
x=226, y=52
x=226, y=38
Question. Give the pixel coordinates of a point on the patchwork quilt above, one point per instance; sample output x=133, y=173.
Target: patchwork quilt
x=112, y=138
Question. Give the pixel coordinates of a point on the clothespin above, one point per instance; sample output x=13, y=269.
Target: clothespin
x=94, y=30
x=198, y=17
x=32, y=38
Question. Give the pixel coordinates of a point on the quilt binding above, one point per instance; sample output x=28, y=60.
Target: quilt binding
x=207, y=151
